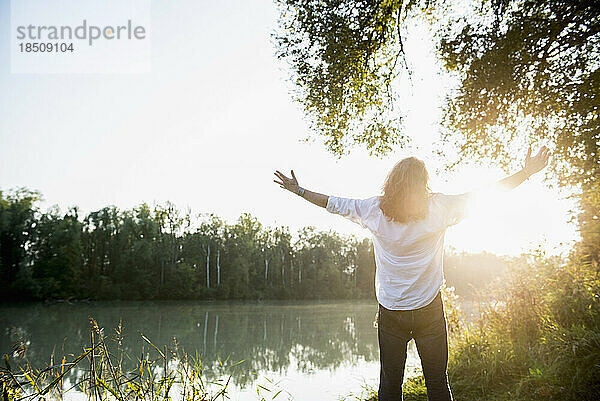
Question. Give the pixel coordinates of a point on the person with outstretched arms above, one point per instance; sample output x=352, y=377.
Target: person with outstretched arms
x=407, y=224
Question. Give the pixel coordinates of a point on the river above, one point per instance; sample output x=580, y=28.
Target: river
x=312, y=350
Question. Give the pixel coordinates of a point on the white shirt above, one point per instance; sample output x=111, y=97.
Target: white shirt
x=408, y=257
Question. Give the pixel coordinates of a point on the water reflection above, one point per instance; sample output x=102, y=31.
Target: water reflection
x=270, y=337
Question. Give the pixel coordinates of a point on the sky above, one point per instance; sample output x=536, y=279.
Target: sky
x=212, y=119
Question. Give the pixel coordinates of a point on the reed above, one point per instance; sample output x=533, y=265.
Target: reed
x=160, y=374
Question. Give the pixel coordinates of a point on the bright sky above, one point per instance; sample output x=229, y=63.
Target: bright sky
x=208, y=125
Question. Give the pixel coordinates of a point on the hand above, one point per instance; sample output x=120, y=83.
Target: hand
x=291, y=184
x=537, y=162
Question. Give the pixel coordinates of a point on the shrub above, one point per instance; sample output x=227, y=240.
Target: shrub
x=540, y=340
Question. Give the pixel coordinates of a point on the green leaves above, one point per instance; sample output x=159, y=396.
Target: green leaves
x=145, y=253
x=103, y=377
x=526, y=68
x=343, y=56
x=530, y=73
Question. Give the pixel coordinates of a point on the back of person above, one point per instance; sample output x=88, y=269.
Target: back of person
x=408, y=256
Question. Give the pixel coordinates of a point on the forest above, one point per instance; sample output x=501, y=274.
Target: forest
x=161, y=252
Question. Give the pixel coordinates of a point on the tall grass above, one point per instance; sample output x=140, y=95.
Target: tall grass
x=539, y=341
x=164, y=373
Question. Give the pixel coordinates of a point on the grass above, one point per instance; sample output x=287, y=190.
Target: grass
x=540, y=341
x=160, y=374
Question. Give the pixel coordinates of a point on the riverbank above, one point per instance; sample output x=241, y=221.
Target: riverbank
x=540, y=341
x=304, y=345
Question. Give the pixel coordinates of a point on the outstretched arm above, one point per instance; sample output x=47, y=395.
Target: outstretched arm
x=532, y=165
x=291, y=184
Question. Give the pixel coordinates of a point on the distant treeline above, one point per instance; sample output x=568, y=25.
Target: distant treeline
x=163, y=253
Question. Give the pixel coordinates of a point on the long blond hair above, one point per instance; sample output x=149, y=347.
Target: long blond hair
x=405, y=192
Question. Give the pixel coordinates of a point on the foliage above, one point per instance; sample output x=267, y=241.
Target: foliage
x=162, y=253
x=160, y=373
x=589, y=224
x=529, y=73
x=539, y=340
x=344, y=55
x=17, y=213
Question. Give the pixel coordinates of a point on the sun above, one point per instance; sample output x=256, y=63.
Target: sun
x=496, y=222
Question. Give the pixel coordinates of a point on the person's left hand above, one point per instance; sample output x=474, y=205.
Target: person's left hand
x=291, y=184
x=536, y=163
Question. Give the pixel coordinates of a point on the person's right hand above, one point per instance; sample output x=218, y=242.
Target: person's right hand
x=537, y=162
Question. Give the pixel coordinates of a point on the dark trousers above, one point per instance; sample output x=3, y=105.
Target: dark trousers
x=427, y=325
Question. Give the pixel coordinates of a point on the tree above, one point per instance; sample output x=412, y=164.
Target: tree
x=344, y=55
x=245, y=259
x=56, y=254
x=18, y=210
x=101, y=240
x=137, y=273
x=122, y=254
x=531, y=64
x=366, y=268
x=528, y=72
x=17, y=222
